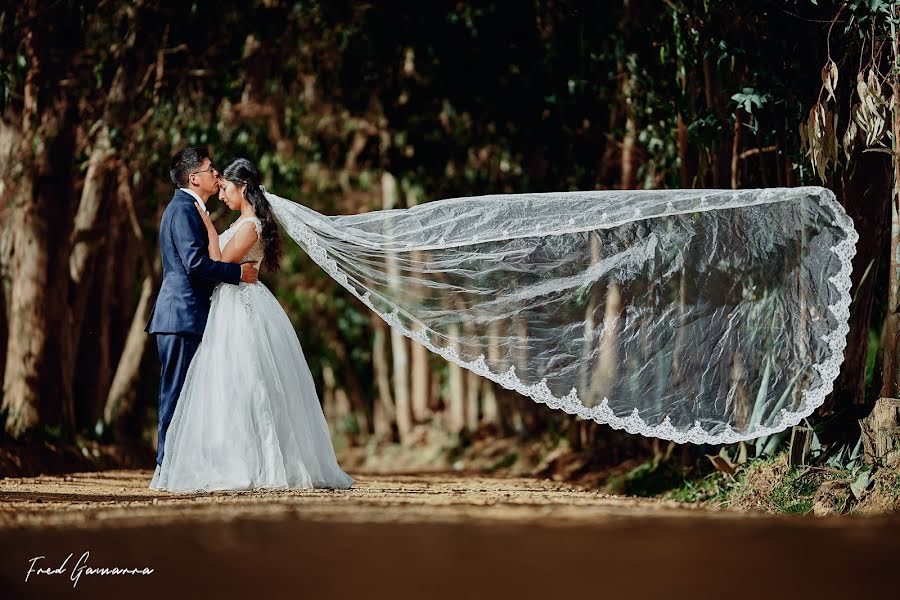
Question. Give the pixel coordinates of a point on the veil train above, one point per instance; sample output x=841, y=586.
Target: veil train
x=702, y=316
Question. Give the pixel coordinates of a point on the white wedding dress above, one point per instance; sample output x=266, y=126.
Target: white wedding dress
x=248, y=416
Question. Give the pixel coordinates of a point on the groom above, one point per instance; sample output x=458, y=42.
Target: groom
x=189, y=276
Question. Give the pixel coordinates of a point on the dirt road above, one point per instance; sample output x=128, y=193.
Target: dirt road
x=420, y=536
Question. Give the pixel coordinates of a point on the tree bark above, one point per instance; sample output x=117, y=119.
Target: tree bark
x=862, y=192
x=92, y=229
x=383, y=413
x=121, y=413
x=628, y=178
x=456, y=406
x=490, y=404
x=606, y=368
x=419, y=367
x=891, y=343
x=40, y=217
x=473, y=394
x=881, y=432
x=399, y=343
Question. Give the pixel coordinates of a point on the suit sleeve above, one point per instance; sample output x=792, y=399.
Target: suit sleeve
x=191, y=244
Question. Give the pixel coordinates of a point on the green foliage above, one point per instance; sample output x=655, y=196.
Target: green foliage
x=647, y=479
x=748, y=98
x=713, y=488
x=794, y=493
x=504, y=463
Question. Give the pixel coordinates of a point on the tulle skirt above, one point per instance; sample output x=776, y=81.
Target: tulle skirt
x=248, y=416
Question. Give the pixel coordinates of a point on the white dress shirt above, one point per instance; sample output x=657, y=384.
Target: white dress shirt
x=195, y=195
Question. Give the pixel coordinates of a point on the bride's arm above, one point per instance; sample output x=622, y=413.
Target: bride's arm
x=240, y=243
x=212, y=234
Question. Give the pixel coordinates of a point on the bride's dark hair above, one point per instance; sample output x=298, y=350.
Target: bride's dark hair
x=243, y=172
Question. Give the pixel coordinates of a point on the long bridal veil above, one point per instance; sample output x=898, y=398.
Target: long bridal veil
x=703, y=316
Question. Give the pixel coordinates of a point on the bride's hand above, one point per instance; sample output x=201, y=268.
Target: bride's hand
x=206, y=220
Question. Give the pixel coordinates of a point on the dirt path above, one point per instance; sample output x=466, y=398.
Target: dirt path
x=417, y=536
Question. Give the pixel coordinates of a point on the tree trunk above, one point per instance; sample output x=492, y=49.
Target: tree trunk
x=10, y=138
x=686, y=167
x=399, y=345
x=92, y=229
x=473, y=394
x=586, y=384
x=891, y=342
x=456, y=404
x=606, y=369
x=40, y=218
x=122, y=413
x=863, y=191
x=4, y=328
x=490, y=405
x=881, y=432
x=383, y=413
x=419, y=368
x=736, y=151
x=420, y=375
x=91, y=237
x=335, y=403
x=628, y=178
x=400, y=355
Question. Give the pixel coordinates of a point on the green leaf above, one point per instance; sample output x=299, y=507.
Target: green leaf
x=859, y=486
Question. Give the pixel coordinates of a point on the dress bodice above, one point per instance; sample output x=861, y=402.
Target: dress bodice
x=257, y=251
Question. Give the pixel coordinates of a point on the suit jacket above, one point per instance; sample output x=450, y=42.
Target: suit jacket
x=189, y=274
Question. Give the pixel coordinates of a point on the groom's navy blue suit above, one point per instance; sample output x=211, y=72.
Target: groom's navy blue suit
x=182, y=306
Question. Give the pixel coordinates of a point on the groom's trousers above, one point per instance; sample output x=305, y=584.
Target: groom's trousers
x=175, y=353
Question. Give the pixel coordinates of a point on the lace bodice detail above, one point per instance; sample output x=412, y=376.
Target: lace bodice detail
x=257, y=251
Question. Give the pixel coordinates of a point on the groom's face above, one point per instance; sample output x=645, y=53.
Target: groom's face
x=206, y=178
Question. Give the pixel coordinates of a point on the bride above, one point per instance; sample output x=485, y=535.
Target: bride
x=248, y=416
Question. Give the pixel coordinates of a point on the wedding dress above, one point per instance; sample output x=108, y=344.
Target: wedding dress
x=248, y=416
x=702, y=316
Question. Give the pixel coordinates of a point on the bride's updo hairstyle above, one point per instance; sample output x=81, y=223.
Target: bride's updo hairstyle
x=243, y=172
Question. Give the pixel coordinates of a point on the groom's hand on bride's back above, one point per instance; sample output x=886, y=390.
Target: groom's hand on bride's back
x=249, y=272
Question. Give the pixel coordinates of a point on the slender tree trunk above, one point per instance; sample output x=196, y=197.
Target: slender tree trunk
x=456, y=404
x=628, y=179
x=90, y=237
x=400, y=355
x=122, y=413
x=383, y=414
x=606, y=369
x=420, y=375
x=352, y=388
x=891, y=384
x=92, y=227
x=335, y=402
x=685, y=171
x=585, y=392
x=473, y=394
x=102, y=371
x=490, y=406
x=862, y=191
x=736, y=151
x=399, y=343
x=520, y=359
x=419, y=368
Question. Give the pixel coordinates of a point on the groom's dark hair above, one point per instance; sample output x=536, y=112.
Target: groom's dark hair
x=184, y=163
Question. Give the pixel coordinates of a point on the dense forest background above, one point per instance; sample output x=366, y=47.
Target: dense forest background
x=356, y=106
